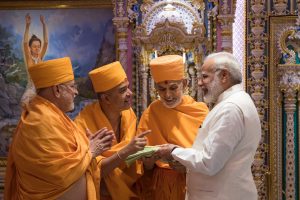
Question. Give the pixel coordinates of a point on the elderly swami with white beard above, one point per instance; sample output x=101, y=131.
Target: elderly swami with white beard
x=219, y=162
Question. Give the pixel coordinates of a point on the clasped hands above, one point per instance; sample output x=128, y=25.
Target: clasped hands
x=100, y=141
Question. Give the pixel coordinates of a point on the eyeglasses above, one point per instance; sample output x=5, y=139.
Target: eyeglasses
x=72, y=88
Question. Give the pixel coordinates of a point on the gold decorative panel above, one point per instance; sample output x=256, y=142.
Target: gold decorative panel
x=168, y=27
x=284, y=79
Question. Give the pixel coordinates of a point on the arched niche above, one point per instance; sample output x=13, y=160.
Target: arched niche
x=168, y=27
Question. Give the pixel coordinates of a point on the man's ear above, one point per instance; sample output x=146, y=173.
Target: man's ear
x=184, y=83
x=105, y=98
x=56, y=91
x=224, y=76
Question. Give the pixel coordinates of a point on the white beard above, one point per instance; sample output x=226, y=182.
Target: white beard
x=214, y=89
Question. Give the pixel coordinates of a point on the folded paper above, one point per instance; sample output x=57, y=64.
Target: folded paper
x=148, y=151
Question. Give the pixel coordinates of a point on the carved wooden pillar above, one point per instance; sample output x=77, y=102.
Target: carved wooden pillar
x=144, y=73
x=192, y=70
x=141, y=82
x=289, y=85
x=290, y=108
x=298, y=115
x=225, y=19
x=136, y=80
x=198, y=62
x=121, y=22
x=280, y=7
x=298, y=5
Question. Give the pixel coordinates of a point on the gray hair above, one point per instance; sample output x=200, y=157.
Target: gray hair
x=225, y=60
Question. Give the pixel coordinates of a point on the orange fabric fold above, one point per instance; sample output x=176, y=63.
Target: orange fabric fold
x=121, y=179
x=168, y=184
x=178, y=126
x=48, y=154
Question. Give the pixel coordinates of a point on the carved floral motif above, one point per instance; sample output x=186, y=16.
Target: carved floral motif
x=168, y=27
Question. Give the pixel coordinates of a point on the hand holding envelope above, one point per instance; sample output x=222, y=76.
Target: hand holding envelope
x=162, y=152
x=148, y=151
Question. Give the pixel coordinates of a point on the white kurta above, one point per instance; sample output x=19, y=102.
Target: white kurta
x=219, y=162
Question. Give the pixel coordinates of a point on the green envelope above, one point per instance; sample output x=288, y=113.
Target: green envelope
x=146, y=152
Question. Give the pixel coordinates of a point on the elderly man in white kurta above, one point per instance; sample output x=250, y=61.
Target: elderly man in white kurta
x=219, y=162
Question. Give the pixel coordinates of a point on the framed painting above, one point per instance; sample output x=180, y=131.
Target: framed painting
x=81, y=30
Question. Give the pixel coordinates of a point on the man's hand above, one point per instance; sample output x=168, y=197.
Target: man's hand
x=177, y=166
x=100, y=141
x=136, y=144
x=165, y=151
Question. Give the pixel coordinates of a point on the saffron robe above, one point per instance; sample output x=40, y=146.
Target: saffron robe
x=47, y=155
x=178, y=126
x=120, y=181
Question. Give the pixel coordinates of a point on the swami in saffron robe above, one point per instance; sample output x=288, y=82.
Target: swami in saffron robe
x=47, y=155
x=178, y=126
x=121, y=180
